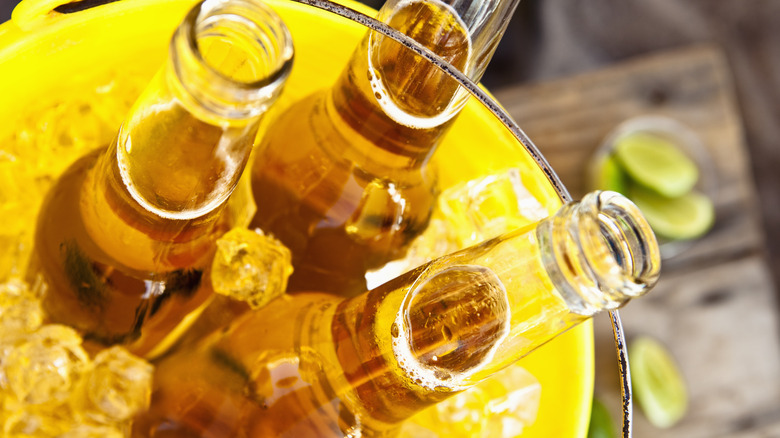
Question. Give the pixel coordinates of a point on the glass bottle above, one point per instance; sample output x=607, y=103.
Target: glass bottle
x=314, y=364
x=125, y=236
x=341, y=178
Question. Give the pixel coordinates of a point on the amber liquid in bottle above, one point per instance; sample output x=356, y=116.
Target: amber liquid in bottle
x=312, y=365
x=125, y=239
x=341, y=177
x=116, y=270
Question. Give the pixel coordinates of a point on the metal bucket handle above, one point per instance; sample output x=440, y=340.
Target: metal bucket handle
x=29, y=14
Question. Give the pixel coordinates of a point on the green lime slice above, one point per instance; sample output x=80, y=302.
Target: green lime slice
x=608, y=175
x=685, y=217
x=656, y=163
x=657, y=382
x=600, y=421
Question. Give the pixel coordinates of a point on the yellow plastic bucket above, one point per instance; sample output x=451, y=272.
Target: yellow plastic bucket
x=52, y=49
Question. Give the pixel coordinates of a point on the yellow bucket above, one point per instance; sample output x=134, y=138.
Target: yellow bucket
x=52, y=49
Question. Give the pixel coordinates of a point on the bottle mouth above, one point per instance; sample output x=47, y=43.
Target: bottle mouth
x=617, y=244
x=232, y=56
x=600, y=252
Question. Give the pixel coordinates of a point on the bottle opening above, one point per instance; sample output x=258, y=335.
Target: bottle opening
x=230, y=55
x=600, y=252
x=618, y=246
x=242, y=44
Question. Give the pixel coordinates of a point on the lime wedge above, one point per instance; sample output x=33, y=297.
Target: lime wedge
x=685, y=217
x=656, y=163
x=600, y=421
x=608, y=175
x=657, y=382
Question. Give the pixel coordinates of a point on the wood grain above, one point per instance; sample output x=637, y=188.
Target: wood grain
x=568, y=119
x=714, y=306
x=719, y=324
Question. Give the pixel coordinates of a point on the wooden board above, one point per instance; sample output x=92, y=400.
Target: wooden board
x=720, y=324
x=567, y=120
x=714, y=306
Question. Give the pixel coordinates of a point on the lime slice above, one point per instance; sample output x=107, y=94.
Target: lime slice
x=600, y=421
x=657, y=382
x=608, y=175
x=656, y=163
x=685, y=217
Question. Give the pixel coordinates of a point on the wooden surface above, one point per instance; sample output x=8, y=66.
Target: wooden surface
x=714, y=305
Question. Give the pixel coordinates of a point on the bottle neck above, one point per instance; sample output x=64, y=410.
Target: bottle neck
x=454, y=322
x=399, y=102
x=184, y=145
x=228, y=61
x=465, y=33
x=180, y=152
x=371, y=132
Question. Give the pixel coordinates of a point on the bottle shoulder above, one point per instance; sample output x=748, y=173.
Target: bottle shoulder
x=102, y=295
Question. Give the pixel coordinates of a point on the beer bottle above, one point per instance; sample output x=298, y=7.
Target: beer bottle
x=318, y=365
x=341, y=178
x=125, y=236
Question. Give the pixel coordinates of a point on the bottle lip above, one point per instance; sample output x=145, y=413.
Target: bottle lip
x=618, y=244
x=600, y=252
x=212, y=89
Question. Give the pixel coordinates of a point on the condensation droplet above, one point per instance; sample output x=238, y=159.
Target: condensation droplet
x=441, y=375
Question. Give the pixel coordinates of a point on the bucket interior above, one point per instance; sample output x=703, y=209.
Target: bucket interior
x=118, y=46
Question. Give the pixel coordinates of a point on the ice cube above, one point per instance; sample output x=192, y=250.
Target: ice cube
x=34, y=422
x=437, y=240
x=518, y=404
x=250, y=266
x=467, y=214
x=20, y=310
x=47, y=138
x=499, y=407
x=414, y=430
x=19, y=200
x=117, y=387
x=46, y=365
x=14, y=252
x=94, y=431
x=486, y=207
